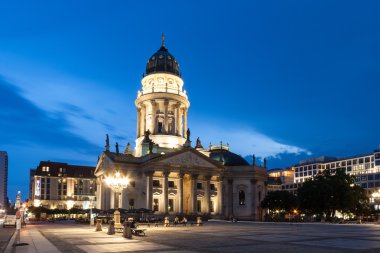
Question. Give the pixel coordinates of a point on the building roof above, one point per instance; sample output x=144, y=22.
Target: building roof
x=227, y=158
x=57, y=169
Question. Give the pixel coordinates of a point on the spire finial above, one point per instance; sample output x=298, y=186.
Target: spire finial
x=163, y=40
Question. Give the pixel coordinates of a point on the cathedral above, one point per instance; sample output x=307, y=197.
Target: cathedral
x=166, y=173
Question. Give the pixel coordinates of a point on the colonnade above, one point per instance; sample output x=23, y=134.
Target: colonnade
x=192, y=205
x=179, y=117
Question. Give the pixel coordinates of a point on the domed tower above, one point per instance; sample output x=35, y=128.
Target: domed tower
x=162, y=105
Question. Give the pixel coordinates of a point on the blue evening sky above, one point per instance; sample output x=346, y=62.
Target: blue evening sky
x=285, y=80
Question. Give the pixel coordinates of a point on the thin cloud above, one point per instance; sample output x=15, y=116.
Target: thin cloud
x=246, y=141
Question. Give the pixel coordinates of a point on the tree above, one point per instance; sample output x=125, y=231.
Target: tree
x=280, y=201
x=325, y=194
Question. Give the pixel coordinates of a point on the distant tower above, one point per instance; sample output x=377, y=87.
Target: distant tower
x=3, y=178
x=162, y=104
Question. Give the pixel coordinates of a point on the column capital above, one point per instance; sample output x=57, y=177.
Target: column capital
x=166, y=173
x=180, y=175
x=153, y=102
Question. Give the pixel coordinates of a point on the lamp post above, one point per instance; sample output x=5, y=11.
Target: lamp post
x=117, y=183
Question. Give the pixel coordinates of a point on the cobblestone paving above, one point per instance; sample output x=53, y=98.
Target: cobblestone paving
x=221, y=237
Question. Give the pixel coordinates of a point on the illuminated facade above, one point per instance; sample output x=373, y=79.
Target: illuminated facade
x=3, y=178
x=63, y=186
x=166, y=174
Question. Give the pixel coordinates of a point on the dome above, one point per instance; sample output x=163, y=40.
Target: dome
x=227, y=158
x=162, y=62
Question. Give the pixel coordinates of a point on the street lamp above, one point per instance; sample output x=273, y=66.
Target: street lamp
x=117, y=183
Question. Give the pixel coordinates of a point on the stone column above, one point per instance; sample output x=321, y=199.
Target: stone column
x=180, y=193
x=142, y=120
x=207, y=195
x=193, y=193
x=154, y=109
x=253, y=198
x=178, y=119
x=185, y=122
x=149, y=189
x=138, y=122
x=165, y=191
x=220, y=196
x=166, y=108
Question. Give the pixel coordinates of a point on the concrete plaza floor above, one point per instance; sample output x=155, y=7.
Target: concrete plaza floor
x=214, y=236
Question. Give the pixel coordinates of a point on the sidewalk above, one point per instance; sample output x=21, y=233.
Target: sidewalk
x=29, y=241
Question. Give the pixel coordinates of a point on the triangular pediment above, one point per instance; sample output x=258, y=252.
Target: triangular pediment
x=188, y=158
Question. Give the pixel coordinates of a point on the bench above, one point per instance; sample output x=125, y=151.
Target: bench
x=138, y=231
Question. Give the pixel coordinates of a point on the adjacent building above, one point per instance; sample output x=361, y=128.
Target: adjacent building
x=169, y=175
x=3, y=178
x=62, y=186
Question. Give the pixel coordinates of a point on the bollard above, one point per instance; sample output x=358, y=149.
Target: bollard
x=127, y=232
x=98, y=225
x=199, y=221
x=111, y=228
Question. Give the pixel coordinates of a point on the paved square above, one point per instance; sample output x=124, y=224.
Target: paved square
x=218, y=236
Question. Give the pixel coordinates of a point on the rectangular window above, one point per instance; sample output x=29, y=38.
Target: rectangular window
x=156, y=183
x=171, y=205
x=370, y=177
x=377, y=184
x=364, y=178
x=155, y=205
x=377, y=176
x=199, y=186
x=371, y=185
x=377, y=156
x=364, y=185
x=355, y=161
x=377, y=163
x=361, y=160
x=212, y=208
x=344, y=163
x=171, y=184
x=349, y=162
x=367, y=159
x=349, y=169
x=199, y=206
x=212, y=187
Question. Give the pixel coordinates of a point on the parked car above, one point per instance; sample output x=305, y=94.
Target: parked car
x=10, y=220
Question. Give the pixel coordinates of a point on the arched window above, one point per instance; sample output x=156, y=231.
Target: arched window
x=241, y=198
